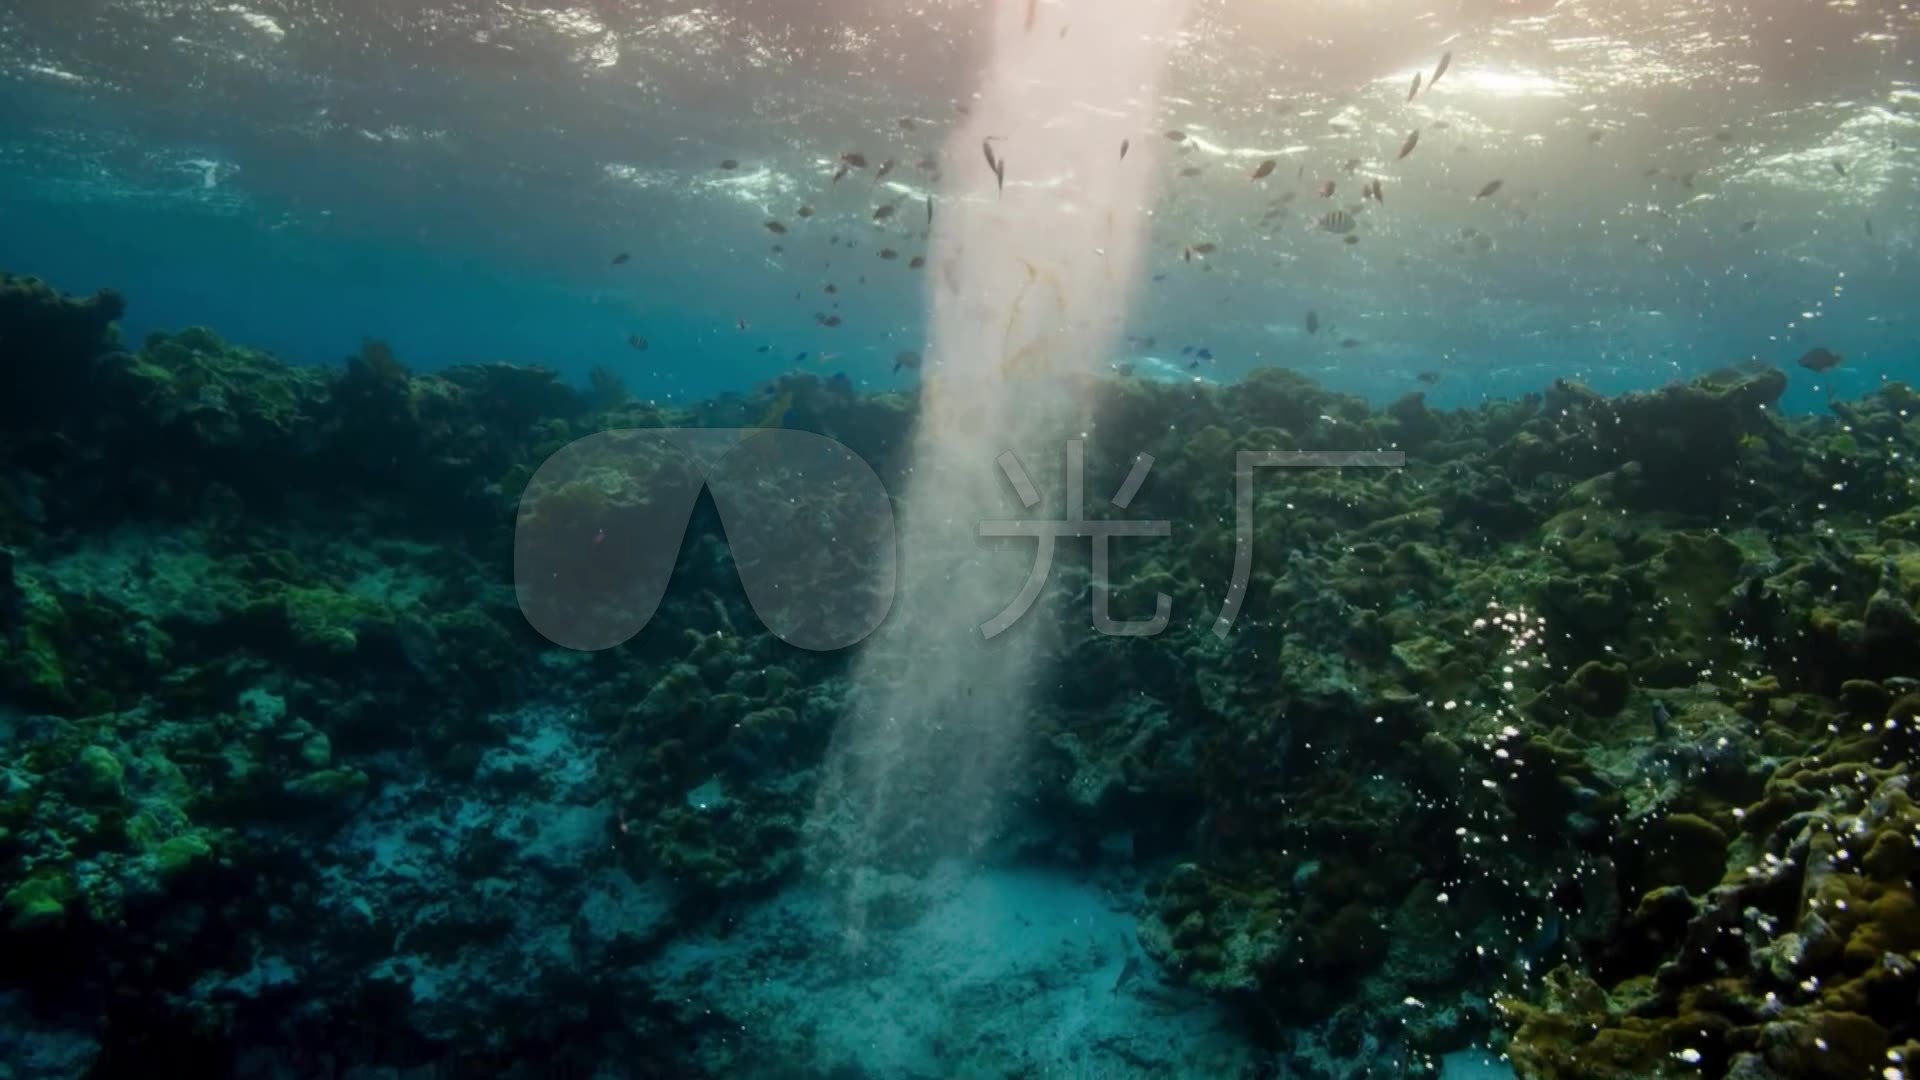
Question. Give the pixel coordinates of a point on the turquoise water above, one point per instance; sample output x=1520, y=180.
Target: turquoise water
x=457, y=184
x=296, y=786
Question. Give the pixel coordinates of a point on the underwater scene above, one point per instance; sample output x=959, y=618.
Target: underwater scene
x=913, y=539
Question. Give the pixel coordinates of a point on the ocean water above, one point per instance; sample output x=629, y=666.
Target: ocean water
x=381, y=697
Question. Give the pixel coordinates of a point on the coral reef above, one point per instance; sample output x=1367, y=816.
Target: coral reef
x=1590, y=732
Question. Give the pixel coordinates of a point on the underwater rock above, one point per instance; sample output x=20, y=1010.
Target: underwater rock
x=48, y=347
x=1600, y=689
x=1414, y=424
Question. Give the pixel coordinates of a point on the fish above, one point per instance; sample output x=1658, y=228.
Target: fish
x=1747, y=226
x=1205, y=247
x=906, y=358
x=1352, y=166
x=776, y=228
x=916, y=262
x=1325, y=190
x=1373, y=192
x=1413, y=140
x=1265, y=170
x=855, y=159
x=1446, y=61
x=828, y=320
x=929, y=210
x=799, y=358
x=1416, y=87
x=1820, y=359
x=1190, y=171
x=805, y=212
x=1428, y=377
x=996, y=163
x=831, y=289
x=638, y=343
x=885, y=168
x=1176, y=135
x=622, y=259
x=907, y=123
x=763, y=349
x=1661, y=717
x=1125, y=144
x=729, y=164
x=1337, y=221
x=1062, y=36
x=1492, y=186
x=1869, y=226
x=1350, y=239
x=1349, y=343
x=841, y=172
x=741, y=323
x=889, y=253
x=1594, y=137
x=1440, y=125
x=1124, y=368
x=1203, y=353
x=1187, y=254
x=883, y=213
x=1313, y=322
x=1194, y=364
x=1687, y=180
x=1839, y=168
x=926, y=164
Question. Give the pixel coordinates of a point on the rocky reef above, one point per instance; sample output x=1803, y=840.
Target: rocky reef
x=1587, y=735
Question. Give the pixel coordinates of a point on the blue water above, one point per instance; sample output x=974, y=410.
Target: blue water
x=1683, y=189
x=457, y=182
x=311, y=294
x=311, y=298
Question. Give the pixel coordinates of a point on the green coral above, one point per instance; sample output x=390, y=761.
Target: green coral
x=98, y=774
x=38, y=902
